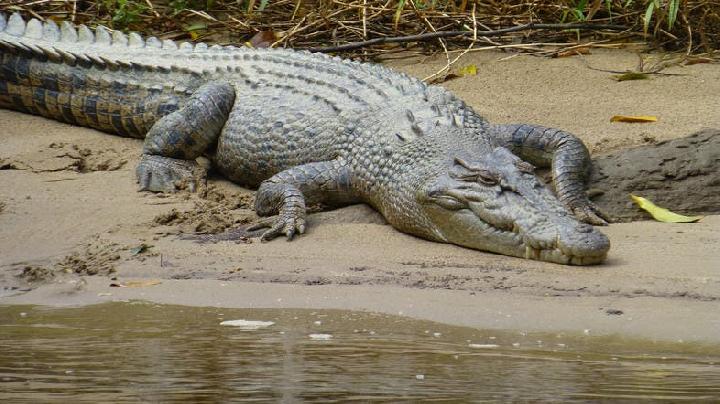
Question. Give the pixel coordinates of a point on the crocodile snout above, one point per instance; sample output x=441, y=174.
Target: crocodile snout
x=582, y=240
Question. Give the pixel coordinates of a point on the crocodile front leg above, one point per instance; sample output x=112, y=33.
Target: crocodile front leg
x=568, y=158
x=287, y=193
x=176, y=140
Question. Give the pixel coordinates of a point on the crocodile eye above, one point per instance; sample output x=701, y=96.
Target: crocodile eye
x=488, y=177
x=448, y=202
x=525, y=167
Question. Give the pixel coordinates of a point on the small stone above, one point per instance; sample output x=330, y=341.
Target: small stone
x=320, y=337
x=484, y=346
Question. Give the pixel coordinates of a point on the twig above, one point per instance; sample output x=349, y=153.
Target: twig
x=639, y=70
x=446, y=34
x=152, y=8
x=446, y=69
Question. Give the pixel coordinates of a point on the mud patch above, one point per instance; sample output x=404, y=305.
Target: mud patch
x=214, y=212
x=681, y=175
x=36, y=274
x=230, y=198
x=60, y=156
x=96, y=258
x=608, y=144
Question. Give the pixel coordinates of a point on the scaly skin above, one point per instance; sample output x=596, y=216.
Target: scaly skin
x=308, y=129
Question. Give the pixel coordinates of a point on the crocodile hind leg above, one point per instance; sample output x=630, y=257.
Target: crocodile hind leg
x=177, y=139
x=568, y=158
x=286, y=194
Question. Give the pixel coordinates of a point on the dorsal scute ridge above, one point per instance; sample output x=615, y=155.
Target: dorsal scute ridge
x=102, y=35
x=135, y=40
x=68, y=32
x=51, y=54
x=169, y=44
x=51, y=31
x=119, y=39
x=153, y=42
x=34, y=29
x=85, y=35
x=15, y=25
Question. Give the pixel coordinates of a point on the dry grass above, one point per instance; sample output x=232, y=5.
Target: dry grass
x=327, y=23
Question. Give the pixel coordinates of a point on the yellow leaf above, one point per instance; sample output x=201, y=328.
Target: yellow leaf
x=631, y=76
x=469, y=70
x=633, y=119
x=662, y=214
x=194, y=35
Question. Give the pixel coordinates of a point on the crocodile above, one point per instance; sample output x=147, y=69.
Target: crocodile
x=311, y=129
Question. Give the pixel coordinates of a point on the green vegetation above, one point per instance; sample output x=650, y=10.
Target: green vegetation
x=689, y=25
x=124, y=12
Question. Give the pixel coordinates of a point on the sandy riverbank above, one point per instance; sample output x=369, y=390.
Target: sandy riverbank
x=69, y=205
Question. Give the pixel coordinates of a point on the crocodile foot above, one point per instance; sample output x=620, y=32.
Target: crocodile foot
x=587, y=212
x=289, y=222
x=165, y=174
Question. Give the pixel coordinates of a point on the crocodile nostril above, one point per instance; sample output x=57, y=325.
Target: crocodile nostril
x=583, y=228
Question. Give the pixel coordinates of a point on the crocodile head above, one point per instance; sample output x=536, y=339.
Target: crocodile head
x=496, y=203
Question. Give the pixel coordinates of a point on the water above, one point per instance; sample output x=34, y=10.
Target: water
x=143, y=352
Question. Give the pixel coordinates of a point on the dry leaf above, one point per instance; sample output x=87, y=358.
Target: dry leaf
x=695, y=60
x=136, y=284
x=634, y=119
x=263, y=39
x=662, y=214
x=572, y=52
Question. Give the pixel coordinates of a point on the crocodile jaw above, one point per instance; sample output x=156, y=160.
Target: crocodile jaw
x=575, y=243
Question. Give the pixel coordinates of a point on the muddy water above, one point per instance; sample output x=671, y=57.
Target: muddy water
x=143, y=352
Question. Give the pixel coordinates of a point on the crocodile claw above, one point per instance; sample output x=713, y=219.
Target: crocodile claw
x=589, y=213
x=289, y=223
x=165, y=174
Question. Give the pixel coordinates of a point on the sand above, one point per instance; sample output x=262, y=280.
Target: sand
x=72, y=223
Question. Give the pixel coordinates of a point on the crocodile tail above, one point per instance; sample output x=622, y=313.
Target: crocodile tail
x=60, y=43
x=48, y=41
x=83, y=94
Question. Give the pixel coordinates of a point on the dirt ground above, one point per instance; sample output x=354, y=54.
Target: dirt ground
x=72, y=223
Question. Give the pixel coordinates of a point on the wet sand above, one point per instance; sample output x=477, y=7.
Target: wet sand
x=71, y=219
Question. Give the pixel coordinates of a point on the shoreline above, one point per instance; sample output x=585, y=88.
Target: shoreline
x=653, y=318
